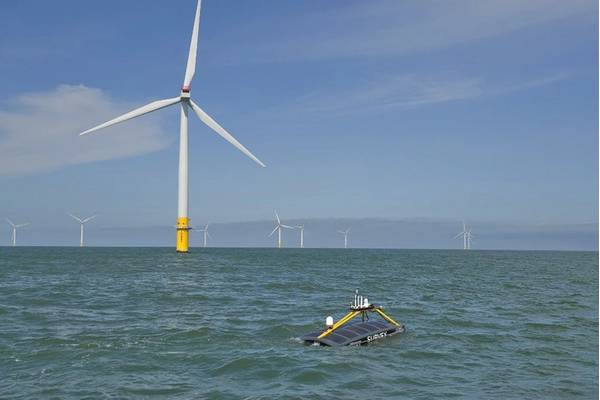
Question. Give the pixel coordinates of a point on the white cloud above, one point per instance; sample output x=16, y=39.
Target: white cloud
x=39, y=130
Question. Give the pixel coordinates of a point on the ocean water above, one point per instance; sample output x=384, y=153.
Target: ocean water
x=225, y=323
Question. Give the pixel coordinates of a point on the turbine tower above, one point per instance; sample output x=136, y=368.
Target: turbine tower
x=466, y=237
x=14, y=230
x=301, y=227
x=469, y=239
x=184, y=100
x=278, y=228
x=345, y=233
x=82, y=222
x=205, y=234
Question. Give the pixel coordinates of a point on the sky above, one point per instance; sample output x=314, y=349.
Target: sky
x=484, y=111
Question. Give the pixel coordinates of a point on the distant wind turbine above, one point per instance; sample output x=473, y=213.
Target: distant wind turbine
x=14, y=230
x=301, y=227
x=205, y=234
x=278, y=228
x=467, y=236
x=81, y=223
x=184, y=100
x=345, y=233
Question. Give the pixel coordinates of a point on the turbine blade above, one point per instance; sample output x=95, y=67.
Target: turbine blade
x=459, y=235
x=191, y=62
x=21, y=225
x=89, y=218
x=204, y=117
x=74, y=217
x=278, y=220
x=10, y=222
x=287, y=226
x=273, y=231
x=155, y=105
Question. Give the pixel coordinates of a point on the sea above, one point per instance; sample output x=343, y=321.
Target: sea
x=221, y=323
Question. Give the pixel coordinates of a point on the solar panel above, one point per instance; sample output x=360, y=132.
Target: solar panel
x=356, y=333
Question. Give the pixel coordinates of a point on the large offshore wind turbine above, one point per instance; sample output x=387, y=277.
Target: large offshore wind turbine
x=82, y=222
x=345, y=233
x=14, y=230
x=278, y=228
x=205, y=235
x=184, y=100
x=466, y=237
x=301, y=227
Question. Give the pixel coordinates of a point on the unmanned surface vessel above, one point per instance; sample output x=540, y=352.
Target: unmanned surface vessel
x=344, y=333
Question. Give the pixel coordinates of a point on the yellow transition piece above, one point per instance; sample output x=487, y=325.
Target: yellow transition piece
x=183, y=230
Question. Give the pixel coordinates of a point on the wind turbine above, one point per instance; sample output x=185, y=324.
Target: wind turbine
x=301, y=227
x=205, y=234
x=466, y=236
x=14, y=230
x=185, y=102
x=345, y=233
x=278, y=228
x=81, y=223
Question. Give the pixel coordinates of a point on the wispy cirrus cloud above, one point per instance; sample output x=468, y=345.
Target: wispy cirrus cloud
x=39, y=130
x=411, y=91
x=389, y=27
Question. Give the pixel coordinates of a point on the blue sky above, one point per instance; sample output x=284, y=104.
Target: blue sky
x=477, y=110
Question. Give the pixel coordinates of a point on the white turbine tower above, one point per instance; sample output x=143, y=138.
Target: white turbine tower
x=345, y=233
x=301, y=227
x=185, y=102
x=14, y=230
x=82, y=222
x=205, y=235
x=466, y=237
x=278, y=228
x=469, y=239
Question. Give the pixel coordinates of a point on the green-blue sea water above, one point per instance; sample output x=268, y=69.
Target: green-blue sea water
x=225, y=323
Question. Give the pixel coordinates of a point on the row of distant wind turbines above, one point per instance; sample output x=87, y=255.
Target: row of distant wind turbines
x=205, y=233
x=280, y=227
x=81, y=221
x=465, y=234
